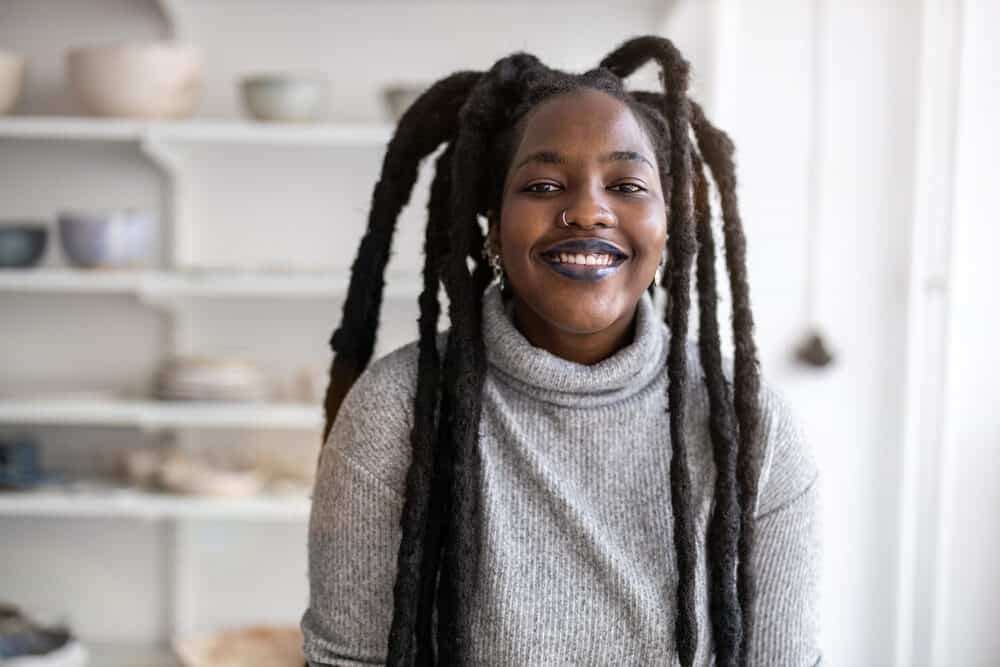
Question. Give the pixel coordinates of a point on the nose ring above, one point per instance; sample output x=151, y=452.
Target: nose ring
x=562, y=219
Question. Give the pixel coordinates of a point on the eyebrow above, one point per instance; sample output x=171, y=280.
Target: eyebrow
x=626, y=156
x=552, y=157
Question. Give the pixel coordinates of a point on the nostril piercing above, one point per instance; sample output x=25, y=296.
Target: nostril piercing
x=562, y=219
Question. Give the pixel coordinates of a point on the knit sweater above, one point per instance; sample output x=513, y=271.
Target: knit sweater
x=577, y=558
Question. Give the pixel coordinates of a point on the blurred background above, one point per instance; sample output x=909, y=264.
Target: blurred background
x=177, y=221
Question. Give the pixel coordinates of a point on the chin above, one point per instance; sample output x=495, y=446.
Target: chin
x=584, y=318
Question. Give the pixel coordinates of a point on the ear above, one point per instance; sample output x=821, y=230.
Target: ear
x=493, y=230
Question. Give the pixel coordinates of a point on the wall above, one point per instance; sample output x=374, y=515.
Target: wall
x=820, y=100
x=968, y=596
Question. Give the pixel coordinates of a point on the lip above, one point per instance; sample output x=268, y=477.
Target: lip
x=585, y=246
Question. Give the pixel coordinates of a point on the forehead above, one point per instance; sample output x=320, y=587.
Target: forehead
x=583, y=123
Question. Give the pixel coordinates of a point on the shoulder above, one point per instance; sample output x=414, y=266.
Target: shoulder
x=787, y=465
x=373, y=425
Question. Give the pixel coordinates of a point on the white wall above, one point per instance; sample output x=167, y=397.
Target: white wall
x=969, y=592
x=895, y=168
x=850, y=226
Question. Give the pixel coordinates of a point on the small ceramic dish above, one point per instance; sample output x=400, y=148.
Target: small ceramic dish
x=400, y=97
x=22, y=244
x=106, y=239
x=285, y=98
x=12, y=68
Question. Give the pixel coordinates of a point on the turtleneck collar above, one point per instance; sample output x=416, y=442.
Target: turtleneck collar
x=555, y=380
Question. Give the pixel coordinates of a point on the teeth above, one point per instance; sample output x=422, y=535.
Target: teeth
x=585, y=260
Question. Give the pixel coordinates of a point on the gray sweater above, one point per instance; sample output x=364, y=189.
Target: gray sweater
x=577, y=554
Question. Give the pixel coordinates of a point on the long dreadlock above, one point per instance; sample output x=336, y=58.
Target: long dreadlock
x=477, y=115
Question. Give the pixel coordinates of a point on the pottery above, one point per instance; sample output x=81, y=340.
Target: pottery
x=155, y=80
x=285, y=98
x=400, y=97
x=258, y=645
x=22, y=244
x=208, y=379
x=12, y=68
x=106, y=239
x=20, y=462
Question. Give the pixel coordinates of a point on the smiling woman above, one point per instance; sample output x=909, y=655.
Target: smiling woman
x=561, y=478
x=583, y=224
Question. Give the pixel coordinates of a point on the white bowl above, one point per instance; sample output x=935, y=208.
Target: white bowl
x=12, y=68
x=106, y=238
x=400, y=97
x=136, y=80
x=285, y=98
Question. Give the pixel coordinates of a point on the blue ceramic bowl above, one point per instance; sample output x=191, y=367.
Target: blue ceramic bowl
x=106, y=239
x=22, y=244
x=20, y=462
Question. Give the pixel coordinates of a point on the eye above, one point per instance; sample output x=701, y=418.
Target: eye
x=541, y=188
x=628, y=188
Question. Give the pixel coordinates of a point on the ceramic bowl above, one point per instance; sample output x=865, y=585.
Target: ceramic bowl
x=136, y=80
x=400, y=97
x=285, y=98
x=22, y=244
x=106, y=239
x=22, y=462
x=12, y=67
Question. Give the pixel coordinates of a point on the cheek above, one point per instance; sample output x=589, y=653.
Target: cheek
x=650, y=233
x=520, y=225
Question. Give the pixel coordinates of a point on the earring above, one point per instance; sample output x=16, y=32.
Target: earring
x=495, y=262
x=658, y=279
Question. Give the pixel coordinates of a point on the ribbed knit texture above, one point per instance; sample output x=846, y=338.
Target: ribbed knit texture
x=577, y=558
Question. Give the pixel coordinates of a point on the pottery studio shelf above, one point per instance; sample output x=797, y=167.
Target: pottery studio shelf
x=134, y=504
x=131, y=654
x=149, y=415
x=195, y=131
x=153, y=285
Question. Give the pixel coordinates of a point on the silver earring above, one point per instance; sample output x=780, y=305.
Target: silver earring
x=496, y=263
x=658, y=279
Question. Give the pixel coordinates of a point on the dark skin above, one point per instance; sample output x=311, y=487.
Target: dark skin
x=587, y=154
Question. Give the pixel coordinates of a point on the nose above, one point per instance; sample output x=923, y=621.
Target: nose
x=586, y=214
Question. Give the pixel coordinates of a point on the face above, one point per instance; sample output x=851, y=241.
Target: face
x=582, y=224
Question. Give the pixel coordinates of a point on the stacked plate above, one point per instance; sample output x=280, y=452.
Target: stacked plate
x=204, y=379
x=254, y=645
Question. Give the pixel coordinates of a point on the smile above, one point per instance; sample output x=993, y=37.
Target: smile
x=584, y=259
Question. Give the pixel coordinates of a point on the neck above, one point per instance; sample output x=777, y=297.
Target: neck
x=582, y=348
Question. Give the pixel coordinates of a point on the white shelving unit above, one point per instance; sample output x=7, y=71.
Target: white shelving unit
x=235, y=199
x=149, y=415
x=60, y=128
x=154, y=287
x=132, y=504
x=131, y=654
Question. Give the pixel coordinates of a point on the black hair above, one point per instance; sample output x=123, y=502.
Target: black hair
x=477, y=117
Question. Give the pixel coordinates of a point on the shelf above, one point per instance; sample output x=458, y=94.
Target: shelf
x=153, y=285
x=130, y=654
x=195, y=131
x=159, y=414
x=134, y=504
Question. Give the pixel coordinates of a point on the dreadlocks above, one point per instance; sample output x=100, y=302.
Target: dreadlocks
x=477, y=116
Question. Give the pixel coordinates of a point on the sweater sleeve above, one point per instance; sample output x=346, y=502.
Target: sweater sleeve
x=354, y=531
x=786, y=554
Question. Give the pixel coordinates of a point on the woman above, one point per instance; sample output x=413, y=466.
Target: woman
x=561, y=479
